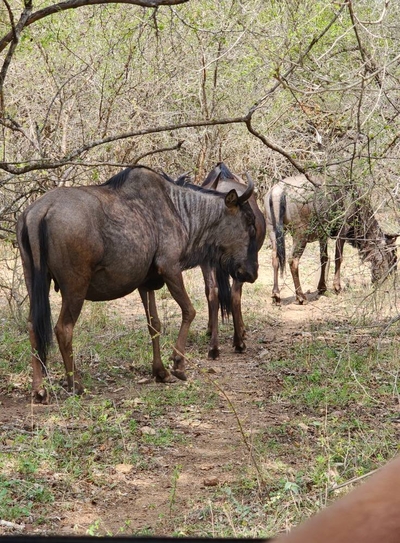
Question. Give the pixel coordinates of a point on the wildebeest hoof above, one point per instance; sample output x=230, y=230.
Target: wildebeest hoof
x=240, y=348
x=179, y=374
x=168, y=378
x=75, y=388
x=40, y=396
x=213, y=353
x=78, y=389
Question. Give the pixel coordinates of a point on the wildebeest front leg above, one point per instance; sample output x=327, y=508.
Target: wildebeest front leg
x=154, y=325
x=238, y=324
x=323, y=252
x=70, y=310
x=298, y=250
x=174, y=282
x=211, y=288
x=276, y=297
x=338, y=261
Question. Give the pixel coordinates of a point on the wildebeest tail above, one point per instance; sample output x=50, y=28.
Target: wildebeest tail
x=278, y=229
x=224, y=292
x=39, y=288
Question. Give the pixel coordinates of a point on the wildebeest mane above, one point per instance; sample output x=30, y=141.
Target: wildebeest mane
x=119, y=179
x=184, y=180
x=225, y=171
x=220, y=170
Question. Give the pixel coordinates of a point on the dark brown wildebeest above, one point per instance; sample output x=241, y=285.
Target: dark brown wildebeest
x=217, y=285
x=137, y=230
x=310, y=213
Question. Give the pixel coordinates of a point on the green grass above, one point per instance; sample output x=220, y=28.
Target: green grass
x=18, y=496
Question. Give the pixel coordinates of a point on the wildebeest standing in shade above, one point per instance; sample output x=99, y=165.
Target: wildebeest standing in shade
x=217, y=285
x=310, y=213
x=137, y=230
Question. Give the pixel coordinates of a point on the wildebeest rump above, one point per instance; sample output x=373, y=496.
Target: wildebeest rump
x=137, y=230
x=217, y=285
x=313, y=213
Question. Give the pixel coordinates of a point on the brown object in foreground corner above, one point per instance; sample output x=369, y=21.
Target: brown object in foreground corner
x=368, y=514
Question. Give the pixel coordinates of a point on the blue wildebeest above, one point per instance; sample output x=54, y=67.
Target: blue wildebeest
x=137, y=230
x=217, y=285
x=310, y=213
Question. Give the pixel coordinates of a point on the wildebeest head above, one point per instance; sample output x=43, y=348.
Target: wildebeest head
x=391, y=249
x=230, y=242
x=237, y=237
x=388, y=253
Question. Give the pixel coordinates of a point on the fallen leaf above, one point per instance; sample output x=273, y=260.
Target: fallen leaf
x=123, y=468
x=148, y=431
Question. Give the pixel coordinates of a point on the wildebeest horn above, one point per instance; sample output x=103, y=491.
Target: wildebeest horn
x=248, y=192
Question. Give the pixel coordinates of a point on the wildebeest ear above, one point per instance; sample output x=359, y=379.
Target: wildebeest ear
x=231, y=199
x=211, y=181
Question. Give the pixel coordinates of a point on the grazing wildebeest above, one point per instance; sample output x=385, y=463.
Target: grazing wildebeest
x=217, y=285
x=137, y=230
x=312, y=213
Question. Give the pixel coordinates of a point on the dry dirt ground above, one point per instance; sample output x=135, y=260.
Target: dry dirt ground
x=184, y=476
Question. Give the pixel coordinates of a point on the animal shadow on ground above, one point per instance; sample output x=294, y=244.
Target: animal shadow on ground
x=310, y=297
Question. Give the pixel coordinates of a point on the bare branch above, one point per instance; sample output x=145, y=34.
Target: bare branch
x=49, y=164
x=74, y=4
x=369, y=64
x=14, y=38
x=162, y=150
x=281, y=79
x=279, y=150
x=378, y=21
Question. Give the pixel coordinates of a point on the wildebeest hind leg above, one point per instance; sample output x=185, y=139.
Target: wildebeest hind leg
x=174, y=282
x=39, y=392
x=70, y=310
x=154, y=326
x=323, y=252
x=276, y=298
